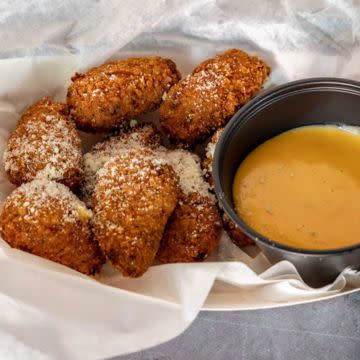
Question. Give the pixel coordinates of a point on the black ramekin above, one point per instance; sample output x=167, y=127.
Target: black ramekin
x=304, y=102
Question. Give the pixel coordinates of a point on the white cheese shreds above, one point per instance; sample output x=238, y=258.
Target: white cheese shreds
x=41, y=195
x=117, y=145
x=46, y=147
x=210, y=150
x=185, y=164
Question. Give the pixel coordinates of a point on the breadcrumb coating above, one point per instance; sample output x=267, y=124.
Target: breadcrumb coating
x=235, y=234
x=193, y=230
x=44, y=145
x=46, y=219
x=134, y=196
x=209, y=156
x=246, y=73
x=107, y=96
x=135, y=138
x=196, y=106
x=206, y=99
x=187, y=168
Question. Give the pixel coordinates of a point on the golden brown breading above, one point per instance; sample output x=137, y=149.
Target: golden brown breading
x=106, y=96
x=235, y=234
x=44, y=218
x=246, y=73
x=135, y=138
x=196, y=106
x=205, y=100
x=209, y=156
x=44, y=106
x=193, y=231
x=134, y=196
x=188, y=169
x=44, y=144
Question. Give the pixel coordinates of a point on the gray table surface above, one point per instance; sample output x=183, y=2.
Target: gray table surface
x=328, y=329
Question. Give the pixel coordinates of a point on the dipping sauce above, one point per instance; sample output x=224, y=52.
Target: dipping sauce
x=302, y=188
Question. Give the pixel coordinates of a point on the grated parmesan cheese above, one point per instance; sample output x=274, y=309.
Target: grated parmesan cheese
x=43, y=147
x=185, y=164
x=40, y=195
x=117, y=145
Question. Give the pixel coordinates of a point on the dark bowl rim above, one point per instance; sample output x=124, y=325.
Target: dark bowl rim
x=241, y=116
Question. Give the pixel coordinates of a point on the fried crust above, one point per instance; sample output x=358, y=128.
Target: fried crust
x=205, y=100
x=136, y=138
x=44, y=144
x=107, y=96
x=235, y=234
x=134, y=196
x=246, y=73
x=196, y=106
x=192, y=232
x=44, y=105
x=207, y=162
x=44, y=218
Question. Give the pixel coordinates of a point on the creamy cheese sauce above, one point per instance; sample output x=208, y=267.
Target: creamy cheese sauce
x=302, y=188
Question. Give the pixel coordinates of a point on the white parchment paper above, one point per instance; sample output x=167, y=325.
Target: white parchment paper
x=49, y=311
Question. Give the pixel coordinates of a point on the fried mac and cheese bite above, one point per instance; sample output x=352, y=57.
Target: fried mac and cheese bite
x=136, y=138
x=134, y=196
x=44, y=145
x=205, y=100
x=106, y=96
x=193, y=230
x=46, y=219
